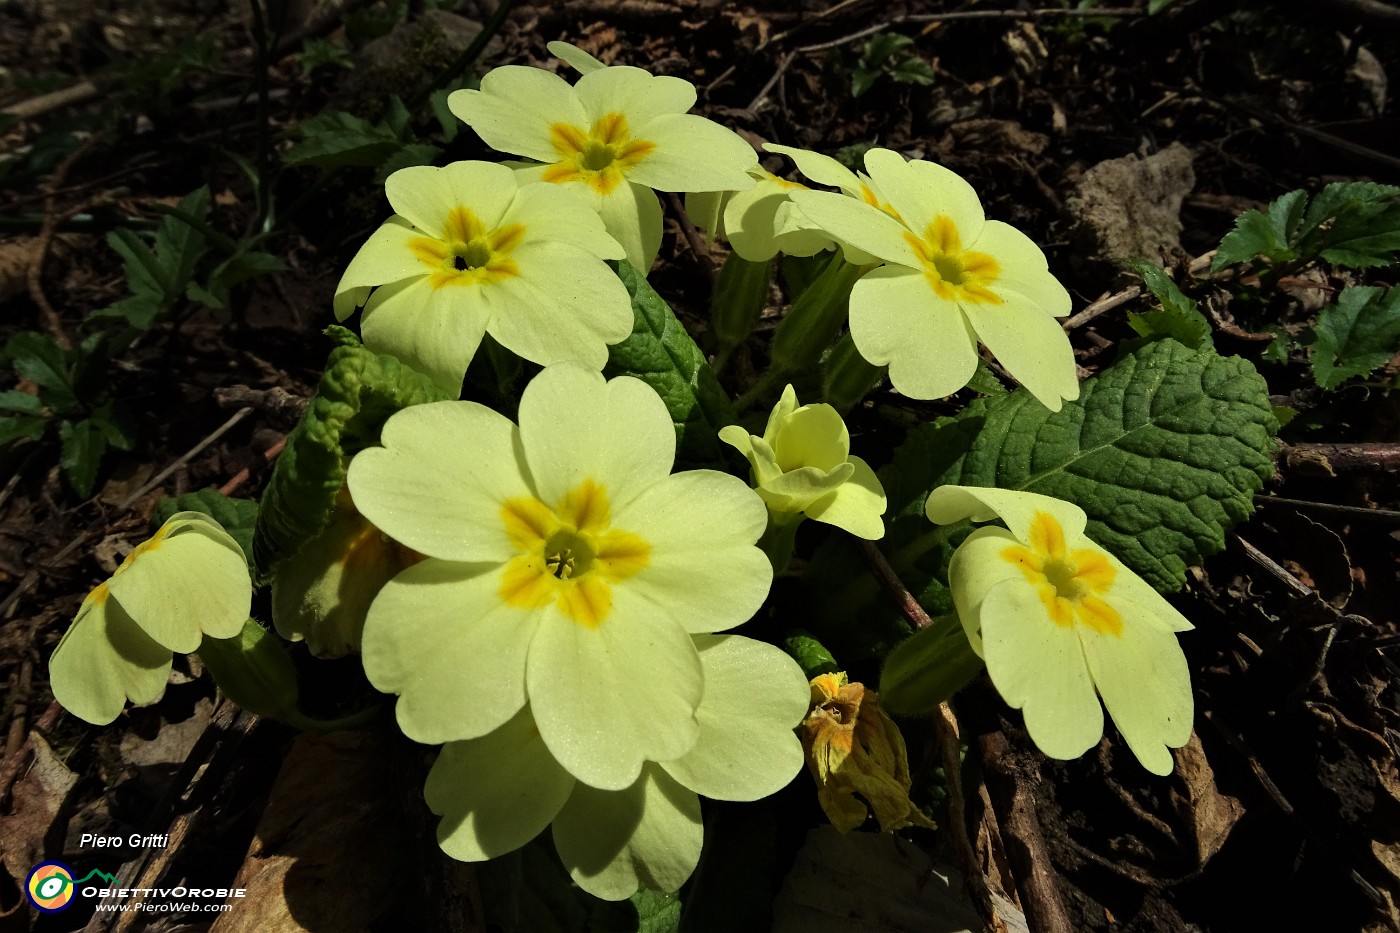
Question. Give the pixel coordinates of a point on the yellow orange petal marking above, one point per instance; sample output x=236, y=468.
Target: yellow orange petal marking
x=599, y=157
x=467, y=252
x=954, y=274
x=1071, y=584
x=568, y=555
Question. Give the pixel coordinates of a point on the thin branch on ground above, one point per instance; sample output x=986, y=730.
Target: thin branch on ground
x=1114, y=12
x=187, y=456
x=53, y=323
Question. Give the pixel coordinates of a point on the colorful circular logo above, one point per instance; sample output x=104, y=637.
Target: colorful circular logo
x=50, y=887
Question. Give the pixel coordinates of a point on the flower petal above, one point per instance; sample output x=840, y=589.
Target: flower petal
x=632, y=214
x=798, y=490
x=609, y=698
x=1142, y=676
x=822, y=169
x=575, y=426
x=434, y=330
x=813, y=435
x=1039, y=667
x=1030, y=344
x=925, y=190
x=704, y=571
x=105, y=659
x=857, y=504
x=754, y=696
x=786, y=405
x=948, y=504
x=636, y=94
x=692, y=154
x=896, y=319
x=859, y=224
x=192, y=581
x=614, y=841
x=384, y=258
x=575, y=57
x=975, y=569
x=1022, y=268
x=566, y=305
x=427, y=194
x=1128, y=586
x=515, y=108
x=558, y=213
x=440, y=479
x=495, y=793
x=439, y=636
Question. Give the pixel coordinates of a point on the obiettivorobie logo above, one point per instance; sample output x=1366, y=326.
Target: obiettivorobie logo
x=51, y=885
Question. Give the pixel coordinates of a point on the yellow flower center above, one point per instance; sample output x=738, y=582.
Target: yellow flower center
x=600, y=157
x=1070, y=583
x=569, y=555
x=955, y=274
x=467, y=253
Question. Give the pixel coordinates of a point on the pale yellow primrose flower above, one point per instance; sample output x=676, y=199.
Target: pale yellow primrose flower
x=803, y=463
x=498, y=792
x=567, y=567
x=951, y=278
x=469, y=251
x=757, y=222
x=1057, y=618
x=188, y=580
x=616, y=135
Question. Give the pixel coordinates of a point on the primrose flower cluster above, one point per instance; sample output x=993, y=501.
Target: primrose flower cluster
x=546, y=599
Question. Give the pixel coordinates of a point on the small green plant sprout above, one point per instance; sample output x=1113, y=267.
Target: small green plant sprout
x=189, y=580
x=497, y=792
x=853, y=747
x=802, y=467
x=949, y=279
x=1061, y=622
x=322, y=593
x=323, y=53
x=470, y=252
x=72, y=395
x=1357, y=334
x=1351, y=224
x=614, y=136
x=337, y=139
x=887, y=54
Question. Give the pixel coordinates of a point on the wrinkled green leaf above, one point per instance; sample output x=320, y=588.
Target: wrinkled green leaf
x=810, y=654
x=358, y=392
x=83, y=443
x=1357, y=334
x=1179, y=317
x=660, y=353
x=913, y=70
x=1164, y=450
x=238, y=516
x=1354, y=224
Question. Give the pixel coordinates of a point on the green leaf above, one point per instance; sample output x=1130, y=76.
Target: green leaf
x=1164, y=451
x=878, y=50
x=22, y=427
x=83, y=442
x=1269, y=233
x=1357, y=334
x=358, y=392
x=913, y=70
x=810, y=654
x=179, y=246
x=862, y=79
x=1179, y=317
x=316, y=53
x=39, y=359
x=406, y=157
x=21, y=402
x=984, y=381
x=238, y=516
x=1156, y=6
x=139, y=311
x=253, y=670
x=928, y=667
x=660, y=353
x=338, y=138
x=143, y=271
x=1354, y=224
